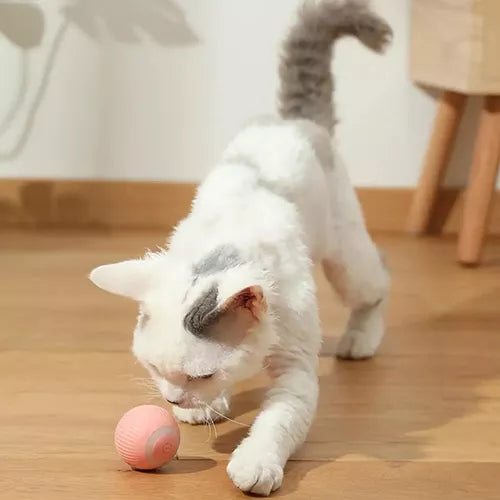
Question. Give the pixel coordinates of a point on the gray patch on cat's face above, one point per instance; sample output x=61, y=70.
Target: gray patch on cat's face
x=203, y=313
x=220, y=259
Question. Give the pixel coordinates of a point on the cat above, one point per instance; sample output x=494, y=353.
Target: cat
x=233, y=293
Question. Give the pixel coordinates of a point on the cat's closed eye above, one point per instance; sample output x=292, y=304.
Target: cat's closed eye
x=200, y=377
x=153, y=369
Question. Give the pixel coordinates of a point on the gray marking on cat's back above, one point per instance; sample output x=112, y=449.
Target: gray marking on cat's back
x=203, y=313
x=263, y=183
x=242, y=160
x=219, y=259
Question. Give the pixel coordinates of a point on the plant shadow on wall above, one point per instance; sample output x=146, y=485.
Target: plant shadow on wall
x=24, y=26
x=123, y=21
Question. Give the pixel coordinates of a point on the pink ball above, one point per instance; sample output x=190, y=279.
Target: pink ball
x=147, y=437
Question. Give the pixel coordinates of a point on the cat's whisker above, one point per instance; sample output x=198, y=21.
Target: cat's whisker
x=146, y=380
x=151, y=391
x=150, y=388
x=227, y=418
x=143, y=382
x=211, y=420
x=209, y=429
x=215, y=428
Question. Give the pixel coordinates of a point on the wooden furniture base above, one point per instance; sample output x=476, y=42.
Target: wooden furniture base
x=481, y=184
x=449, y=113
x=482, y=179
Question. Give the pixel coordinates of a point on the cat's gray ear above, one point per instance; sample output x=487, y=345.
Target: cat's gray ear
x=130, y=278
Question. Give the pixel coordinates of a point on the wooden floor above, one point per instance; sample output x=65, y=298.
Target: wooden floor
x=421, y=421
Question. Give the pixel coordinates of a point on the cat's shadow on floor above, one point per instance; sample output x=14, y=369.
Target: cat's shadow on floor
x=243, y=403
x=248, y=401
x=381, y=420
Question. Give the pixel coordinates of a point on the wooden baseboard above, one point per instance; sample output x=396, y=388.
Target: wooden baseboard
x=387, y=209
x=160, y=205
x=93, y=204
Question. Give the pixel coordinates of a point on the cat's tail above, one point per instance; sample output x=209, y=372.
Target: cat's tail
x=305, y=74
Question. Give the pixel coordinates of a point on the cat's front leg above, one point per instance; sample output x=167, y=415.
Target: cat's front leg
x=280, y=428
x=217, y=410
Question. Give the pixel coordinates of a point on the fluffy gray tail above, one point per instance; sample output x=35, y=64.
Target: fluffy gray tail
x=306, y=80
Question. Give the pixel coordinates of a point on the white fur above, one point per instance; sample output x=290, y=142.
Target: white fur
x=281, y=200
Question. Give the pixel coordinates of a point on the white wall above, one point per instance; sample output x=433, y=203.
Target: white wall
x=128, y=107
x=64, y=132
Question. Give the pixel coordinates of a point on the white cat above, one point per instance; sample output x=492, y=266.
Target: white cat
x=234, y=291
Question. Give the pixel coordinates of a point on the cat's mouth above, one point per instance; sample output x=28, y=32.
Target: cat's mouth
x=187, y=402
x=186, y=405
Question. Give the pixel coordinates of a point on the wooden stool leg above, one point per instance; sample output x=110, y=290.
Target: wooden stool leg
x=481, y=183
x=449, y=113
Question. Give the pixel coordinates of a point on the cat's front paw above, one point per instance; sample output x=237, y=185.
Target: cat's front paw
x=252, y=472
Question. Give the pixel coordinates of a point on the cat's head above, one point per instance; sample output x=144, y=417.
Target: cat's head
x=200, y=328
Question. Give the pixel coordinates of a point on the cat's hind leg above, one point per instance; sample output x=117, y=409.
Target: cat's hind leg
x=355, y=268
